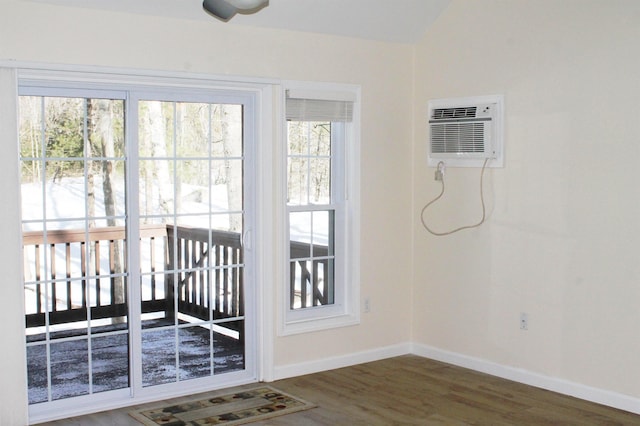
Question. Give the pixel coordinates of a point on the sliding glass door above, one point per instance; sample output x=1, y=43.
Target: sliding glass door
x=134, y=218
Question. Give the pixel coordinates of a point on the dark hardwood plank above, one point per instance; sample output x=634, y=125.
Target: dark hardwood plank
x=410, y=390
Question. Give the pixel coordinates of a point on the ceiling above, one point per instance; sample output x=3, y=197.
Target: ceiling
x=399, y=21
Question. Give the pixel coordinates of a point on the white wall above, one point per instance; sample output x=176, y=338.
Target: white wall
x=52, y=34
x=562, y=237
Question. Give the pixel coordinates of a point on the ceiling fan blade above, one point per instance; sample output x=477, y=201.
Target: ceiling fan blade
x=219, y=8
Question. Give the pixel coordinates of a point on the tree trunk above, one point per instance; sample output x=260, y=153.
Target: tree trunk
x=231, y=132
x=102, y=118
x=161, y=186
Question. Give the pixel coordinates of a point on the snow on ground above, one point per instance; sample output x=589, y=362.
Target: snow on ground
x=63, y=205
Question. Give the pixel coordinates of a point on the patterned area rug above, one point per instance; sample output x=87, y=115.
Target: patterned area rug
x=248, y=406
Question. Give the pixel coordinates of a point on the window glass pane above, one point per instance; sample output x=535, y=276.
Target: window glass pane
x=37, y=373
x=320, y=181
x=192, y=129
x=227, y=222
x=192, y=186
x=299, y=231
x=105, y=128
x=323, y=238
x=58, y=295
x=309, y=163
x=298, y=137
x=67, y=295
x=319, y=138
x=227, y=289
x=158, y=356
x=226, y=191
x=228, y=346
x=157, y=289
x=309, y=138
x=110, y=362
x=155, y=128
x=311, y=254
x=31, y=129
x=32, y=190
x=64, y=127
x=326, y=286
x=69, y=368
x=298, y=181
x=152, y=250
x=57, y=170
x=106, y=182
x=35, y=301
x=194, y=353
x=156, y=187
x=65, y=189
x=227, y=131
x=107, y=265
x=153, y=286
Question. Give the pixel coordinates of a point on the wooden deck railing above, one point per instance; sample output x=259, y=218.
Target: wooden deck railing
x=76, y=289
x=310, y=279
x=194, y=263
x=199, y=264
x=66, y=286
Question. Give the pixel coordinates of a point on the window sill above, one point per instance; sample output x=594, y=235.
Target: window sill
x=291, y=327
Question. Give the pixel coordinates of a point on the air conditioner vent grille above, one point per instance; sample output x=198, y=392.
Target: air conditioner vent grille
x=457, y=138
x=465, y=132
x=453, y=113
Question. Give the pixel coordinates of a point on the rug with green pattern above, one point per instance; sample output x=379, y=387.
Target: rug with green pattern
x=241, y=407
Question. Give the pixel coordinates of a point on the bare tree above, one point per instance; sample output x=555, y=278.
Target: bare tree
x=31, y=134
x=160, y=175
x=101, y=129
x=231, y=136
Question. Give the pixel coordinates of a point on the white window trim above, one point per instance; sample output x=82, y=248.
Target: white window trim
x=346, y=310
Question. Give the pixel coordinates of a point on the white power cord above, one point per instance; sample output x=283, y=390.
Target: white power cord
x=440, y=177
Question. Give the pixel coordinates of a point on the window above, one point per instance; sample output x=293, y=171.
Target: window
x=321, y=230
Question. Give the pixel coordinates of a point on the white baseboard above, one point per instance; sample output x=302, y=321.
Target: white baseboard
x=588, y=393
x=600, y=396
x=294, y=370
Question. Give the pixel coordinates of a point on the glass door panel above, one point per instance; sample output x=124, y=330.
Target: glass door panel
x=73, y=217
x=191, y=222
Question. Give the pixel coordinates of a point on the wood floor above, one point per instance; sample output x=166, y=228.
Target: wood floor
x=411, y=390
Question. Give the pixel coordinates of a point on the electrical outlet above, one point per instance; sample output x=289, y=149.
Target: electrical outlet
x=367, y=305
x=524, y=321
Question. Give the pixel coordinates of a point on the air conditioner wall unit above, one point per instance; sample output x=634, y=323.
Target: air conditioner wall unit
x=464, y=132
